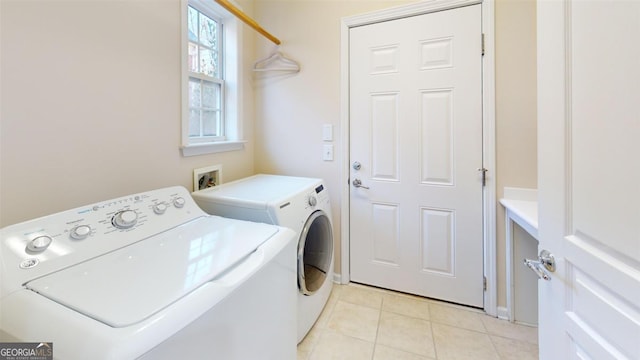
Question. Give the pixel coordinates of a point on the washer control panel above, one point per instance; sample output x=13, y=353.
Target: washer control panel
x=63, y=239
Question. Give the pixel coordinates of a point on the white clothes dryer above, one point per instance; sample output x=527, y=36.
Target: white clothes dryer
x=149, y=276
x=301, y=204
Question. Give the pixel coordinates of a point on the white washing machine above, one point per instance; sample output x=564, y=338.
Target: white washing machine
x=149, y=276
x=301, y=204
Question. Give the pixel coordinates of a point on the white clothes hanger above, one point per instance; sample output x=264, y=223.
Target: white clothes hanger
x=277, y=61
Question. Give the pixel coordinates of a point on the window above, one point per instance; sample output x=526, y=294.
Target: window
x=210, y=79
x=206, y=86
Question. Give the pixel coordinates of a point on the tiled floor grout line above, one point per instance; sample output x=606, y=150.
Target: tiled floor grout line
x=433, y=338
x=493, y=344
x=433, y=335
x=375, y=339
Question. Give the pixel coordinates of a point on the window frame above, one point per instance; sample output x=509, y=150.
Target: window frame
x=201, y=78
x=230, y=56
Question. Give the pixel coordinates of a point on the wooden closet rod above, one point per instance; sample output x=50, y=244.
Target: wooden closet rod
x=247, y=20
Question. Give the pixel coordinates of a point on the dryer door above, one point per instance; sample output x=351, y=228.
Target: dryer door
x=315, y=252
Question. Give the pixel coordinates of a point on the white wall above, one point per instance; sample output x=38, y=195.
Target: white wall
x=516, y=113
x=90, y=104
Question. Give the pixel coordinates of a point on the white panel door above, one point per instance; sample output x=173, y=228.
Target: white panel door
x=415, y=147
x=589, y=178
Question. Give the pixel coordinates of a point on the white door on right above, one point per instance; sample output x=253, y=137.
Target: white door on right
x=589, y=178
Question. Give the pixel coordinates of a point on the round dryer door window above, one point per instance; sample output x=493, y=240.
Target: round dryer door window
x=315, y=252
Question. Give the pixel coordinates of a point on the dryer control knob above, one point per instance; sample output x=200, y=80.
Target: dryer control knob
x=178, y=202
x=313, y=201
x=124, y=219
x=80, y=232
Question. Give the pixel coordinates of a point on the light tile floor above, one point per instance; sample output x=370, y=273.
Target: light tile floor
x=361, y=322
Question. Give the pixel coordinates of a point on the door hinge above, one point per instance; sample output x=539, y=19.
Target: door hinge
x=484, y=176
x=484, y=283
x=482, y=39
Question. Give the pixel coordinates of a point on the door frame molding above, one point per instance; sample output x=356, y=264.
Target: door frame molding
x=488, y=129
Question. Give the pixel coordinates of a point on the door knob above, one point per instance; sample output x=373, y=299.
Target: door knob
x=535, y=267
x=358, y=183
x=546, y=262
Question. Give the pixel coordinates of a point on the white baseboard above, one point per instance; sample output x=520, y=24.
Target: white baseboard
x=503, y=313
x=337, y=278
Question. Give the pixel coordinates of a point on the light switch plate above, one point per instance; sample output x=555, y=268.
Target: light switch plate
x=327, y=132
x=327, y=152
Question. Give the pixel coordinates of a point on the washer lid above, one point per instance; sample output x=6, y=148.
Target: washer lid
x=130, y=284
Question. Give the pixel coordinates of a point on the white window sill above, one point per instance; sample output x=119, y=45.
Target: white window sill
x=211, y=148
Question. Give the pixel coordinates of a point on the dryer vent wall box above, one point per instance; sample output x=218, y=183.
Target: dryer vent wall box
x=207, y=177
x=116, y=280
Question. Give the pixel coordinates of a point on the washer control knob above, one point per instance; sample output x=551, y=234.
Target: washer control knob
x=312, y=200
x=178, y=202
x=80, y=232
x=124, y=219
x=160, y=208
x=40, y=243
